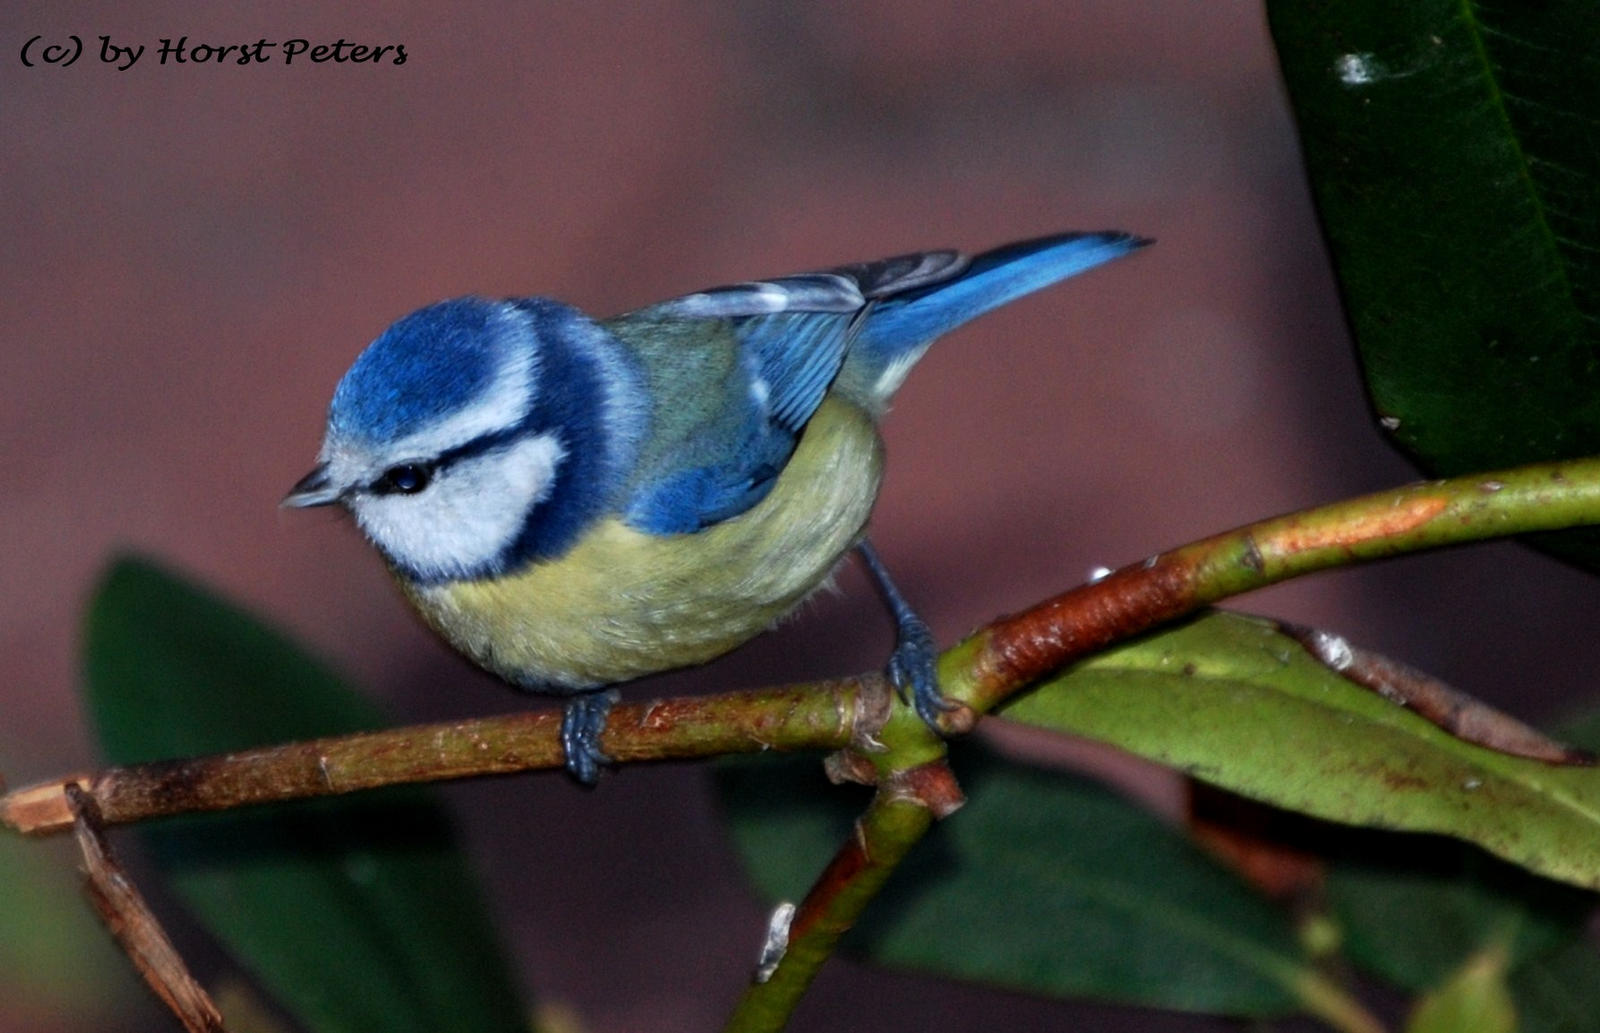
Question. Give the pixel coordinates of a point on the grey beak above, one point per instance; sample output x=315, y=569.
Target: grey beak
x=314, y=489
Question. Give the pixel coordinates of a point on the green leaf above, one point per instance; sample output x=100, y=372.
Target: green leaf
x=1415, y=913
x=1560, y=992
x=357, y=914
x=1233, y=702
x=1042, y=882
x=1475, y=1000
x=1453, y=148
x=1415, y=910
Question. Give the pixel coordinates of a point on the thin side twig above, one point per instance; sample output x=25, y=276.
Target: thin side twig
x=1441, y=704
x=134, y=926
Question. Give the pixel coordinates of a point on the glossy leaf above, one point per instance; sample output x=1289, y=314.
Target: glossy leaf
x=356, y=914
x=1042, y=882
x=1453, y=148
x=1235, y=703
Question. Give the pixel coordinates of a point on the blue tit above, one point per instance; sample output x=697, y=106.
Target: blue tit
x=575, y=503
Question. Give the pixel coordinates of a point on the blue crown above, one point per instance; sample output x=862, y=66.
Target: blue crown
x=426, y=366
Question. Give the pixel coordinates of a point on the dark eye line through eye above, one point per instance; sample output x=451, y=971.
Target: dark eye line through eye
x=405, y=478
x=410, y=478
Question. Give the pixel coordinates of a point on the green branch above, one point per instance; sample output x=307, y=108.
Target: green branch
x=1012, y=653
x=883, y=836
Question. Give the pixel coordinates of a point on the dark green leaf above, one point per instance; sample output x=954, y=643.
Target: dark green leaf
x=1232, y=701
x=1583, y=729
x=1454, y=152
x=1414, y=910
x=1560, y=992
x=1042, y=882
x=357, y=915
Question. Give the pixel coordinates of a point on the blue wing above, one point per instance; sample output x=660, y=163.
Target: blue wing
x=789, y=337
x=794, y=335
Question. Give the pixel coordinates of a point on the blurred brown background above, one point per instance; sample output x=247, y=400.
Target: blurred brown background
x=194, y=253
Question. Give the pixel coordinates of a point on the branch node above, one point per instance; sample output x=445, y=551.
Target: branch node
x=875, y=702
x=932, y=785
x=844, y=766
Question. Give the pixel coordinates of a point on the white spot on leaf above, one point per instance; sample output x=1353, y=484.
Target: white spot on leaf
x=1358, y=69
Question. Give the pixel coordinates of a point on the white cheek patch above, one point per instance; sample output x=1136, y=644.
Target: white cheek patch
x=468, y=515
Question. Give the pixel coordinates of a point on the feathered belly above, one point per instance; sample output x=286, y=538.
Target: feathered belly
x=622, y=604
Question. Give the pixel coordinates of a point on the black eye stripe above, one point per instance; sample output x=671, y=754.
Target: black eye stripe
x=413, y=477
x=478, y=446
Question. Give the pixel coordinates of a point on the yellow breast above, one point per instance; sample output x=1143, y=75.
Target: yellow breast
x=622, y=604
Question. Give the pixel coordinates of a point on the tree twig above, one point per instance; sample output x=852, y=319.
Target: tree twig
x=813, y=716
x=1443, y=705
x=133, y=925
x=883, y=836
x=1013, y=652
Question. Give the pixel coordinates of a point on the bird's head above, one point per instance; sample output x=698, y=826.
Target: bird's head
x=448, y=434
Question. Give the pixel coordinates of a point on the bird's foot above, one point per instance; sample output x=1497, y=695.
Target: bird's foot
x=913, y=666
x=581, y=724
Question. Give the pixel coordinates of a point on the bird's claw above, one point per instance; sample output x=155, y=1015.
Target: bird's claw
x=913, y=668
x=581, y=724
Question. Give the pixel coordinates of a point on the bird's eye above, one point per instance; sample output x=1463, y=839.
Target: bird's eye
x=405, y=479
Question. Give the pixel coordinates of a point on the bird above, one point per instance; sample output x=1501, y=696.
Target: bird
x=574, y=503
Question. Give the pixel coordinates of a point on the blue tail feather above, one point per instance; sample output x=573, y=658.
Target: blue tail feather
x=904, y=323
